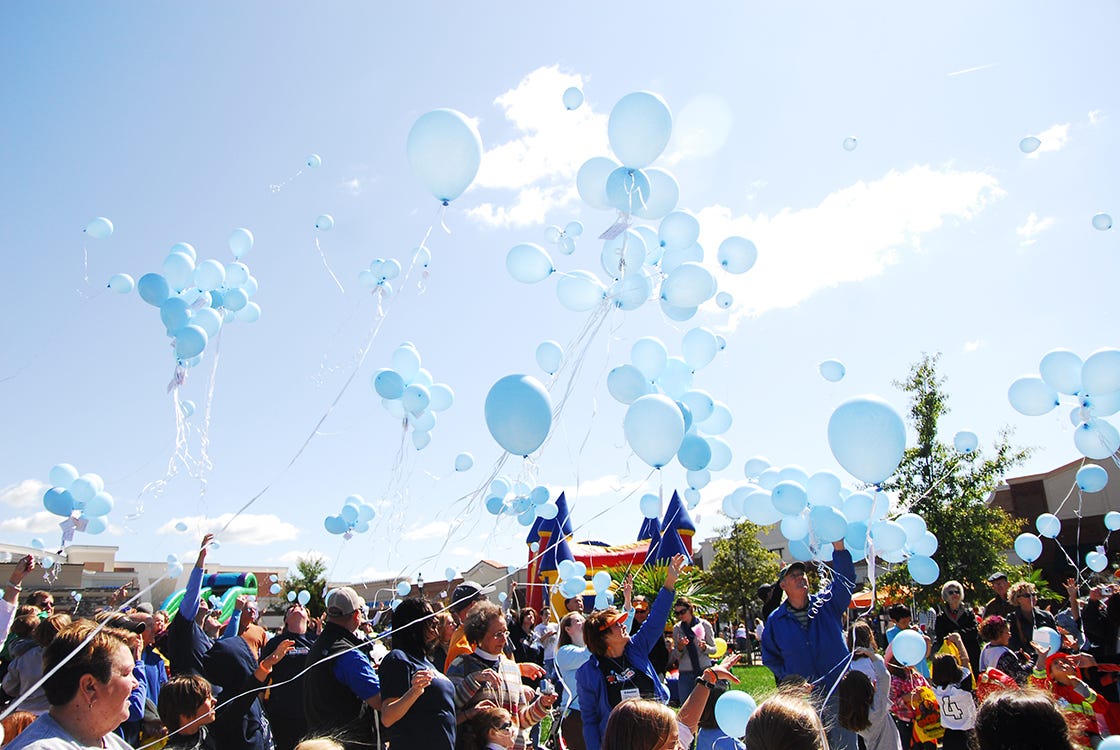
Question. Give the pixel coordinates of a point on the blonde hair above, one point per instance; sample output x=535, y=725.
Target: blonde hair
x=319, y=743
x=639, y=724
x=785, y=722
x=1022, y=587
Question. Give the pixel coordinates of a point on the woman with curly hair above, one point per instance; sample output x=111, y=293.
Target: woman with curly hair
x=996, y=653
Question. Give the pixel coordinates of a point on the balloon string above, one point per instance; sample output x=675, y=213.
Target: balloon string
x=276, y=188
x=204, y=463
x=1068, y=494
x=327, y=265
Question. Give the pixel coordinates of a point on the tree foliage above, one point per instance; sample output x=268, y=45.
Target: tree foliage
x=648, y=580
x=740, y=565
x=950, y=491
x=310, y=577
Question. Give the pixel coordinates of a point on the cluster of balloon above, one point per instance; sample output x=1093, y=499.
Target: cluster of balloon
x=564, y=239
x=80, y=497
x=354, y=517
x=444, y=151
x=571, y=581
x=408, y=393
x=518, y=413
x=512, y=498
x=733, y=710
x=1093, y=388
x=196, y=298
x=379, y=276
x=1090, y=478
x=303, y=597
x=666, y=415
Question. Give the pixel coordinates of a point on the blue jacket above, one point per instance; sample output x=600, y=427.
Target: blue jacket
x=818, y=650
x=593, y=705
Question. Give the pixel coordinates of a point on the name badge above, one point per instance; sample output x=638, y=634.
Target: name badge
x=628, y=693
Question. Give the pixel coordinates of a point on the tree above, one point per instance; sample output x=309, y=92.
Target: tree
x=309, y=577
x=950, y=490
x=740, y=565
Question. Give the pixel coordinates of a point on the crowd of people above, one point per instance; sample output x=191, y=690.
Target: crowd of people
x=473, y=675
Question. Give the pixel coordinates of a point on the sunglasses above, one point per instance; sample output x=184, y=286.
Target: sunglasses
x=950, y=592
x=504, y=726
x=1028, y=596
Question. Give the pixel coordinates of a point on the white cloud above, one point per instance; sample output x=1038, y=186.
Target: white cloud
x=432, y=530
x=1029, y=231
x=853, y=234
x=248, y=528
x=291, y=557
x=466, y=552
x=353, y=186
x=26, y=494
x=1095, y=116
x=375, y=574
x=974, y=345
x=549, y=145
x=33, y=524
x=1054, y=138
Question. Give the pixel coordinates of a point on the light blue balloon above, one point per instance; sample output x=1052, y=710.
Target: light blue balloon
x=234, y=299
x=1048, y=525
x=697, y=480
x=694, y=452
x=547, y=510
x=153, y=289
x=121, y=283
x=95, y=524
x=631, y=292
x=251, y=313
x=867, y=438
x=677, y=313
x=888, y=536
x=1100, y=405
x=1101, y=372
x=444, y=150
x=572, y=98
x=828, y=523
x=1061, y=370
x=689, y=285
x=190, y=340
x=324, y=223
x=1096, y=439
x=1112, y=520
x=178, y=269
x=654, y=428
x=1031, y=396
x=732, y=505
x=494, y=505
x=823, y=488
x=793, y=473
x=303, y=597
x=855, y=537
x=913, y=524
x=719, y=421
x=406, y=361
x=99, y=228
x=539, y=495
x=909, y=647
x=733, y=710
x=1095, y=561
x=1029, y=144
x=857, y=506
x=591, y=181
x=209, y=275
x=687, y=414
x=678, y=229
x=349, y=513
x=240, y=242
x=737, y=255
x=832, y=370
x=795, y=527
x=580, y=291
x=101, y=504
x=442, y=396
x=673, y=257
x=61, y=475
x=528, y=263
x=1092, y=478
x=623, y=255
x=721, y=453
x=799, y=550
x=175, y=313
x=639, y=127
x=404, y=588
x=754, y=466
x=699, y=347
x=650, y=356
x=626, y=383
x=1102, y=222
x=650, y=505
x=314, y=161
x=335, y=524
x=627, y=189
x=208, y=319
x=724, y=300
x=415, y=399
x=549, y=356
x=966, y=441
x=789, y=498
x=663, y=195
x=676, y=378
x=58, y=501
x=700, y=403
x=924, y=545
x=518, y=413
x=573, y=587
x=1028, y=547
x=653, y=244
x=769, y=478
x=759, y=509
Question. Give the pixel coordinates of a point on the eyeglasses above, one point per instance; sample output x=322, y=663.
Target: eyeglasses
x=498, y=634
x=504, y=726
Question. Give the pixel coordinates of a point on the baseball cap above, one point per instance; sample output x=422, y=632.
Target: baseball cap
x=466, y=593
x=126, y=623
x=996, y=576
x=796, y=565
x=344, y=601
x=612, y=621
x=145, y=607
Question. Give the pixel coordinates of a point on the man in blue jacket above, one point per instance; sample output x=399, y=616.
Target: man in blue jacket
x=804, y=637
x=619, y=667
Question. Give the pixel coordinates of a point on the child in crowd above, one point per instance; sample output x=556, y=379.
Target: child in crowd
x=186, y=706
x=996, y=653
x=861, y=641
x=492, y=728
x=901, y=617
x=1086, y=710
x=906, y=682
x=710, y=736
x=786, y=721
x=864, y=705
x=958, y=708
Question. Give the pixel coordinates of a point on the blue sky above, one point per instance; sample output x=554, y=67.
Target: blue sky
x=936, y=234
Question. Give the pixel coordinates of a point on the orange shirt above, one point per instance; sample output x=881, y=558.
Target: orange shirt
x=459, y=645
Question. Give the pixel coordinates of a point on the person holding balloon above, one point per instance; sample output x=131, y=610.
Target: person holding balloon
x=695, y=644
x=956, y=617
x=1026, y=617
x=804, y=637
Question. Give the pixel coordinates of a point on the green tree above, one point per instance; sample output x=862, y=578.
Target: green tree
x=739, y=566
x=950, y=491
x=309, y=576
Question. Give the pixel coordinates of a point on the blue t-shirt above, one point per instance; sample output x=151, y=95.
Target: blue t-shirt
x=430, y=721
x=715, y=739
x=354, y=670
